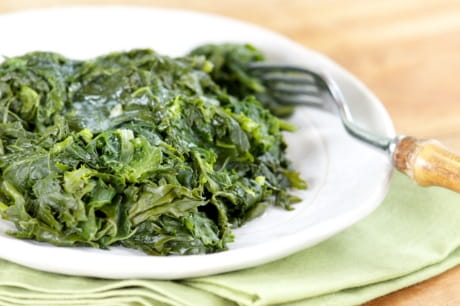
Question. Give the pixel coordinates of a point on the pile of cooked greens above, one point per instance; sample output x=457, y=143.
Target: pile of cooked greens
x=136, y=149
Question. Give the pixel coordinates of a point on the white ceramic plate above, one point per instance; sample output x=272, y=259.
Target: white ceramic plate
x=347, y=179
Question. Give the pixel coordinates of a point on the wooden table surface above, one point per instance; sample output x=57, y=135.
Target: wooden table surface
x=406, y=51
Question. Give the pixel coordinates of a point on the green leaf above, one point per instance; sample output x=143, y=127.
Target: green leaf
x=165, y=155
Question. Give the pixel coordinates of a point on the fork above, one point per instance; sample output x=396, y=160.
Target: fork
x=426, y=161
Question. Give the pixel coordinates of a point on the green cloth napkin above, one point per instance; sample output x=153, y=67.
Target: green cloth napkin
x=413, y=235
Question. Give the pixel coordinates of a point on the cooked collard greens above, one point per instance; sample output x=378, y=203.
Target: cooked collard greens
x=136, y=149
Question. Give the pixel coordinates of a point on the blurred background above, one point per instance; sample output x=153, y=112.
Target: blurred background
x=407, y=52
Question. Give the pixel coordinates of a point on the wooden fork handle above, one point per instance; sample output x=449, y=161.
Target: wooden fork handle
x=427, y=162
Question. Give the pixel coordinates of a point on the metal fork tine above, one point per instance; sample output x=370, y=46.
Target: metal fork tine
x=278, y=67
x=289, y=84
x=299, y=100
x=280, y=77
x=265, y=67
x=294, y=89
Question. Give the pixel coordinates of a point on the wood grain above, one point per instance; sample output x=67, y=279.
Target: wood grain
x=407, y=52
